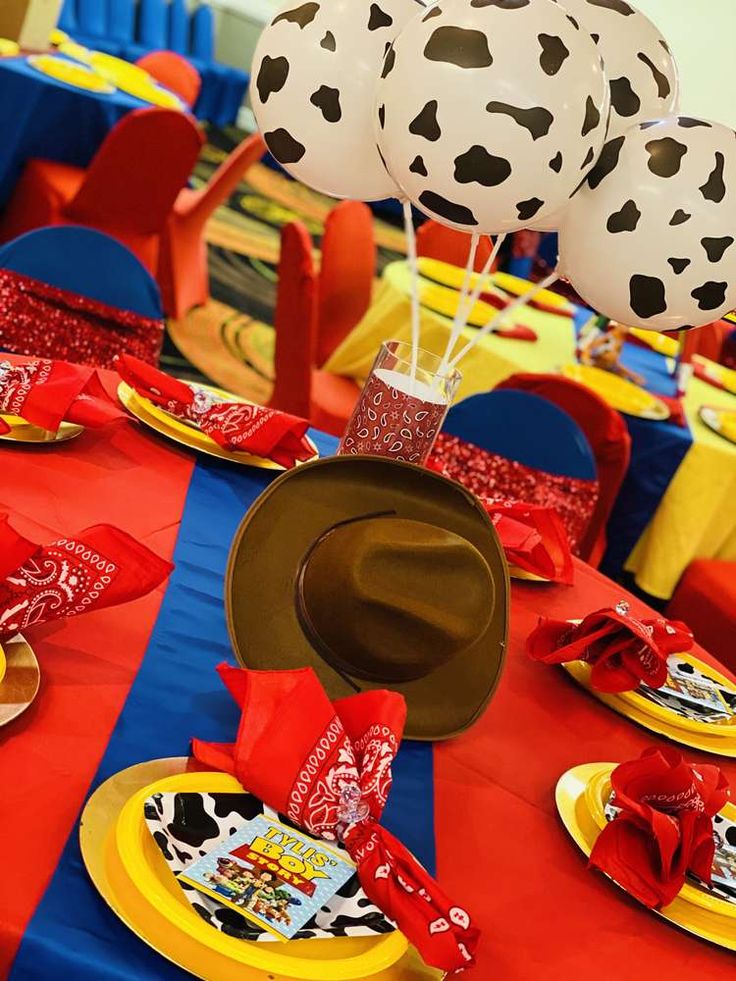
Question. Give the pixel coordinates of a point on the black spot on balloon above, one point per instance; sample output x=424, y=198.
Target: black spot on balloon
x=378, y=18
x=528, y=209
x=716, y=248
x=619, y=6
x=163, y=843
x=382, y=116
x=607, y=162
x=503, y=4
x=714, y=188
x=272, y=76
x=665, y=156
x=553, y=53
x=478, y=166
x=589, y=158
x=328, y=42
x=624, y=220
x=710, y=295
x=649, y=123
x=592, y=117
x=687, y=122
x=299, y=15
x=417, y=166
x=458, y=46
x=680, y=217
x=283, y=146
x=425, y=123
x=389, y=61
x=623, y=98
x=537, y=120
x=327, y=100
x=596, y=38
x=647, y=296
x=454, y=212
x=556, y=162
x=434, y=12
x=679, y=265
x=191, y=823
x=663, y=83
x=573, y=22
x=665, y=45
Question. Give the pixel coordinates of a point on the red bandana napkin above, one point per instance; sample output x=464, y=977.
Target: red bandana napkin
x=533, y=538
x=102, y=566
x=236, y=426
x=622, y=650
x=665, y=826
x=327, y=766
x=46, y=393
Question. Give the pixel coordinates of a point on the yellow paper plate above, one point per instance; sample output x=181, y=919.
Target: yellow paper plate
x=117, y=70
x=667, y=346
x=65, y=71
x=3, y=663
x=581, y=795
x=76, y=51
x=57, y=37
x=8, y=48
x=719, y=373
x=443, y=300
x=24, y=432
x=721, y=421
x=619, y=393
x=167, y=425
x=320, y=960
x=711, y=738
x=20, y=681
x=141, y=86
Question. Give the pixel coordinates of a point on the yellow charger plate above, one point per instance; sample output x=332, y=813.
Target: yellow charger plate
x=581, y=795
x=8, y=48
x=721, y=421
x=167, y=425
x=719, y=373
x=142, y=86
x=318, y=960
x=619, y=393
x=20, y=679
x=24, y=432
x=117, y=70
x=3, y=664
x=77, y=51
x=667, y=346
x=443, y=300
x=65, y=71
x=717, y=739
x=58, y=37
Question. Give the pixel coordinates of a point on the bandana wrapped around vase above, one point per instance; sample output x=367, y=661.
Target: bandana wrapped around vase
x=327, y=766
x=664, y=828
x=236, y=426
x=102, y=566
x=622, y=650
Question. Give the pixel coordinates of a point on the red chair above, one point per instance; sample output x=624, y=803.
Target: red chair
x=325, y=399
x=609, y=439
x=346, y=274
x=174, y=72
x=182, y=269
x=707, y=341
x=127, y=191
x=705, y=600
x=448, y=245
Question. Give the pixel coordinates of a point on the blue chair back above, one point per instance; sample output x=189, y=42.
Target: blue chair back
x=87, y=262
x=121, y=20
x=92, y=18
x=68, y=17
x=153, y=24
x=202, y=39
x=526, y=428
x=178, y=27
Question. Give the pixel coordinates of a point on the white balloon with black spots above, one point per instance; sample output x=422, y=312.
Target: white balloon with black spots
x=313, y=91
x=491, y=112
x=650, y=240
x=639, y=65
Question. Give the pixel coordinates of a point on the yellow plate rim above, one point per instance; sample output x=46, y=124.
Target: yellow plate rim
x=25, y=432
x=657, y=411
x=714, y=424
x=38, y=62
x=18, y=648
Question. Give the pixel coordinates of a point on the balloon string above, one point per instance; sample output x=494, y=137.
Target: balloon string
x=458, y=321
x=520, y=301
x=411, y=243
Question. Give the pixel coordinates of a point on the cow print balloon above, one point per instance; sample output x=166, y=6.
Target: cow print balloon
x=314, y=79
x=490, y=112
x=639, y=65
x=650, y=239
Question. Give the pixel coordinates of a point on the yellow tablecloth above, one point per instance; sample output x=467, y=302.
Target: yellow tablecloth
x=696, y=517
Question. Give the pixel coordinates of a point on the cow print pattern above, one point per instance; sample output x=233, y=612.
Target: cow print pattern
x=425, y=123
x=556, y=162
x=283, y=146
x=537, y=121
x=680, y=217
x=665, y=156
x=458, y=46
x=662, y=82
x=592, y=117
x=624, y=99
x=378, y=18
x=528, y=209
x=714, y=188
x=272, y=76
x=716, y=248
x=624, y=220
x=679, y=265
x=451, y=210
x=607, y=162
x=553, y=53
x=328, y=101
x=647, y=296
x=710, y=295
x=185, y=825
x=479, y=166
x=303, y=16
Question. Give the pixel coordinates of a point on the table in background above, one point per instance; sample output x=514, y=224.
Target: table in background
x=134, y=683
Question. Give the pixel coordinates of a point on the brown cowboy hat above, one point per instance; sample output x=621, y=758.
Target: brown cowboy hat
x=377, y=574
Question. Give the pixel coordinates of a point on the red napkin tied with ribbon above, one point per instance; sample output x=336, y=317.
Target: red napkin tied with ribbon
x=533, y=538
x=665, y=826
x=102, y=566
x=327, y=766
x=622, y=650
x=237, y=426
x=47, y=393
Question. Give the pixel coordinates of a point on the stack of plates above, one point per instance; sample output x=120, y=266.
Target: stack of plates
x=130, y=872
x=582, y=796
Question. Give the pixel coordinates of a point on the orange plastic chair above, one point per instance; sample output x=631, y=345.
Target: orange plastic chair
x=182, y=269
x=128, y=190
x=174, y=72
x=448, y=245
x=346, y=274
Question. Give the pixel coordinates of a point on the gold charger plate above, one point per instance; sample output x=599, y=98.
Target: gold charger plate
x=167, y=425
x=72, y=74
x=97, y=836
x=581, y=794
x=24, y=432
x=21, y=681
x=720, y=421
x=717, y=739
x=619, y=393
